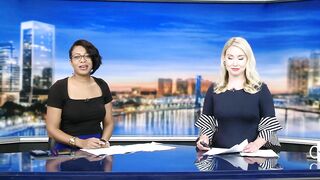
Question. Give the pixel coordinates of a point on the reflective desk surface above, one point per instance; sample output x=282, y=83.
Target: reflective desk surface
x=182, y=162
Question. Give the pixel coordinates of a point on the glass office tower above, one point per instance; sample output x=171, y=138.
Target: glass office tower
x=9, y=73
x=314, y=72
x=37, y=47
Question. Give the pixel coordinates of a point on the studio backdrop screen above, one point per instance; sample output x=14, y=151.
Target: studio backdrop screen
x=159, y=58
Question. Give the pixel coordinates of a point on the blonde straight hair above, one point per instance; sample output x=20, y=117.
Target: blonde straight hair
x=252, y=84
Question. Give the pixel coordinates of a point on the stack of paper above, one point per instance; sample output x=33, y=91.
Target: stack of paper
x=234, y=149
x=261, y=153
x=238, y=148
x=153, y=146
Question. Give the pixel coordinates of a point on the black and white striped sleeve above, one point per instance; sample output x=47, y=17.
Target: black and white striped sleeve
x=269, y=125
x=207, y=123
x=268, y=128
x=270, y=163
x=207, y=164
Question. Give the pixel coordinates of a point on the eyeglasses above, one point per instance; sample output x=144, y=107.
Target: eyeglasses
x=78, y=57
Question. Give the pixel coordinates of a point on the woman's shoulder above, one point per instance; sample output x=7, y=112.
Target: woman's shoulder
x=100, y=81
x=264, y=89
x=264, y=86
x=60, y=83
x=58, y=89
x=211, y=87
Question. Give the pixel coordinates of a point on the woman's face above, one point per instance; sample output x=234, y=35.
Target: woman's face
x=235, y=61
x=81, y=61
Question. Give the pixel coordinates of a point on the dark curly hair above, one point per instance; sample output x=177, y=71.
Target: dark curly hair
x=91, y=50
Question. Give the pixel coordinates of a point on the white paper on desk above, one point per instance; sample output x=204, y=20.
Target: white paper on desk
x=106, y=151
x=261, y=153
x=153, y=146
x=234, y=149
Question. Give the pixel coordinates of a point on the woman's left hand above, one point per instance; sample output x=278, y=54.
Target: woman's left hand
x=251, y=147
x=255, y=145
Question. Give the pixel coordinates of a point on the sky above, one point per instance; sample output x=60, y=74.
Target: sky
x=141, y=42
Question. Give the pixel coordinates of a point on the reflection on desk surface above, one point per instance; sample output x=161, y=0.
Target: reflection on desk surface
x=181, y=159
x=79, y=161
x=236, y=162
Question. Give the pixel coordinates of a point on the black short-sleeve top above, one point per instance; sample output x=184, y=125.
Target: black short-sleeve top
x=79, y=116
x=232, y=116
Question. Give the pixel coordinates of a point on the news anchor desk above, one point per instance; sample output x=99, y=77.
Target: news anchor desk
x=183, y=162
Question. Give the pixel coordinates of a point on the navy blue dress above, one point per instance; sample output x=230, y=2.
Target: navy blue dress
x=230, y=117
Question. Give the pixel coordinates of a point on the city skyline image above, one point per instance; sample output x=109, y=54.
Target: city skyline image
x=158, y=58
x=143, y=42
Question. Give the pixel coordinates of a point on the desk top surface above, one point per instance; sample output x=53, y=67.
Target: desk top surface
x=181, y=159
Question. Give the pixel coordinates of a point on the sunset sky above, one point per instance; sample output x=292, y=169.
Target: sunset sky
x=141, y=42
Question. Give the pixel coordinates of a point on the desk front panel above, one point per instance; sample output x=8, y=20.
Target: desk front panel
x=183, y=161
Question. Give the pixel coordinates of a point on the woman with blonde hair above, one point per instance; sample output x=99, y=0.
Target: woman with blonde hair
x=240, y=106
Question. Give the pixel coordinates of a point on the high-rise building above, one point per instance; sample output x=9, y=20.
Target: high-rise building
x=314, y=70
x=181, y=87
x=37, y=47
x=191, y=86
x=164, y=87
x=298, y=73
x=9, y=73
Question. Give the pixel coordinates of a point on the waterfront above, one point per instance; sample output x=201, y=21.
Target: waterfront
x=299, y=124
x=180, y=122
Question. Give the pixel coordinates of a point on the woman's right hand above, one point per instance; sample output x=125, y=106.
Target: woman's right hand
x=90, y=143
x=202, y=142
